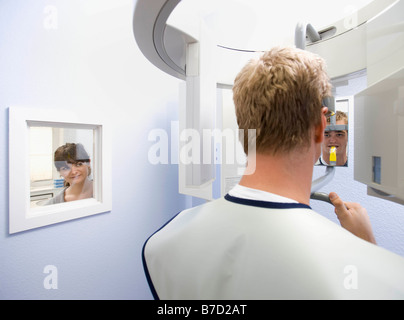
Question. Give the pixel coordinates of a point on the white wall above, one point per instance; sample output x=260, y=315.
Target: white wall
x=86, y=60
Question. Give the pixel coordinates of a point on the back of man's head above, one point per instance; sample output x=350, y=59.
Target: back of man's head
x=280, y=95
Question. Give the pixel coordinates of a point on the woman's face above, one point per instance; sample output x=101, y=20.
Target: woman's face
x=75, y=173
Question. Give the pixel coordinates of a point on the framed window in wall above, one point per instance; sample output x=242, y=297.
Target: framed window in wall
x=59, y=167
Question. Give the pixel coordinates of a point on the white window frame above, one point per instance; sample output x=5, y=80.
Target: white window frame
x=21, y=216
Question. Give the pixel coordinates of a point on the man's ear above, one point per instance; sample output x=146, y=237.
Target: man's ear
x=319, y=129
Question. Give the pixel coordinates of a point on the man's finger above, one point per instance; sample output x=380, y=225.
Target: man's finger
x=339, y=205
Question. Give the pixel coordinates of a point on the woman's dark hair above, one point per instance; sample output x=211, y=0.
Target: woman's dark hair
x=70, y=153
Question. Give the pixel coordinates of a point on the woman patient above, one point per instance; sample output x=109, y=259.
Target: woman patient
x=73, y=163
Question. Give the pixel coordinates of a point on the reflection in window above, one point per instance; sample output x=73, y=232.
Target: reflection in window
x=46, y=181
x=74, y=165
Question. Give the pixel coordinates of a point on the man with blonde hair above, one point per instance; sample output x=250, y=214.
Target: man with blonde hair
x=262, y=240
x=337, y=139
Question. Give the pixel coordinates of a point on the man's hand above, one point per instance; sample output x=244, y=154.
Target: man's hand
x=353, y=217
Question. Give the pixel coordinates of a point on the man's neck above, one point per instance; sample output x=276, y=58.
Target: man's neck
x=288, y=175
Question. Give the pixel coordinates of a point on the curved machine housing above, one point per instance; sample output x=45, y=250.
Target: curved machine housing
x=372, y=40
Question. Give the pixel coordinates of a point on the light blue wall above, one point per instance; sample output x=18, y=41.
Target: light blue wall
x=387, y=218
x=91, y=61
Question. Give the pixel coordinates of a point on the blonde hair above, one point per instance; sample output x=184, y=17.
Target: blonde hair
x=280, y=95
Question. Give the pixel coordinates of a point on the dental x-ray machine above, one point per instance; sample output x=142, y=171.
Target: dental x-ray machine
x=371, y=40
